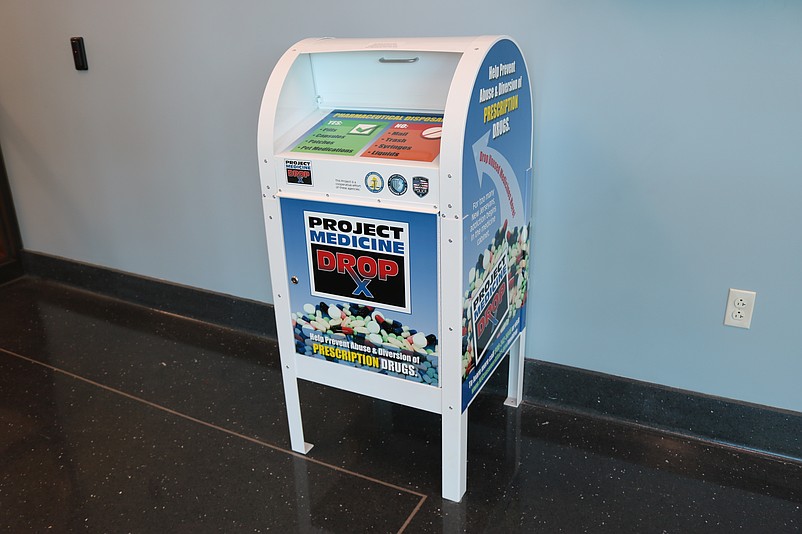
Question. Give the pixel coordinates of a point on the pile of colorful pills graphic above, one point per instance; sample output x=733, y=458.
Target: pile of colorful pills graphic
x=388, y=346
x=516, y=243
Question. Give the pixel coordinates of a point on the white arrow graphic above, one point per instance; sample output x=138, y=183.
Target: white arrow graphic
x=491, y=162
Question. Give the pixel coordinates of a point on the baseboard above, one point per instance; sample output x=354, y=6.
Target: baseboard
x=751, y=427
x=216, y=308
x=756, y=428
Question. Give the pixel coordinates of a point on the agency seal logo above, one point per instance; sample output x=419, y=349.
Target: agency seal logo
x=420, y=186
x=397, y=184
x=374, y=182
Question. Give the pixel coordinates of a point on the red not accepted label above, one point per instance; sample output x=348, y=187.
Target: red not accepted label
x=407, y=141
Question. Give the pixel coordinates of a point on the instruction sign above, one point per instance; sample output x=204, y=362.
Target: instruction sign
x=396, y=136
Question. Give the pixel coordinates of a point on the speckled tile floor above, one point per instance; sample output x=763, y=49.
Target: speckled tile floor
x=116, y=418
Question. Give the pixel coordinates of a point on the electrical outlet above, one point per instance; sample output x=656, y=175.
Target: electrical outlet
x=740, y=306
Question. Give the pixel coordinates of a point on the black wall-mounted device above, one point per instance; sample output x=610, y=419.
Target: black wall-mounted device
x=79, y=53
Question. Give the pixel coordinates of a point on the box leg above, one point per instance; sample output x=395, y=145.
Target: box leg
x=455, y=453
x=293, y=401
x=515, y=381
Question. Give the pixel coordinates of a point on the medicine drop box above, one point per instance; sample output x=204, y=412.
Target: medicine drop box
x=396, y=179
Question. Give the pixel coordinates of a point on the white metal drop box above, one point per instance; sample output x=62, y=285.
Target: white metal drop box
x=396, y=178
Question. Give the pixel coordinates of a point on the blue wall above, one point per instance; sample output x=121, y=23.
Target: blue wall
x=670, y=164
x=667, y=154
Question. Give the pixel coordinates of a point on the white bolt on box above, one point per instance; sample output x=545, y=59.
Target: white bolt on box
x=396, y=179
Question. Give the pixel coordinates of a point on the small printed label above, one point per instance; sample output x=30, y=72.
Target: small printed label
x=374, y=182
x=397, y=184
x=347, y=184
x=298, y=172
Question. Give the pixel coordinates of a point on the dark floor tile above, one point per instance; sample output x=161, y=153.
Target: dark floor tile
x=531, y=469
x=539, y=470
x=215, y=374
x=76, y=457
x=580, y=474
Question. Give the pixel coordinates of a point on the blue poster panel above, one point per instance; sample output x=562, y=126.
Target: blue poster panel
x=363, y=287
x=495, y=194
